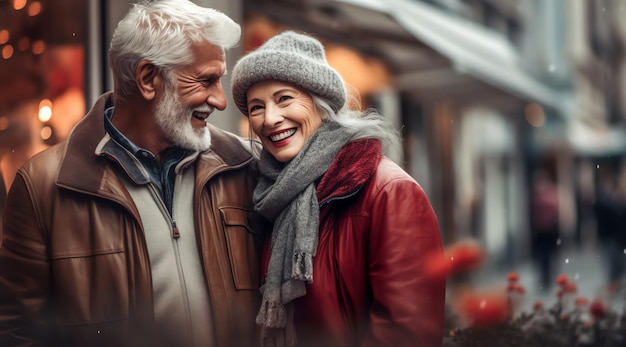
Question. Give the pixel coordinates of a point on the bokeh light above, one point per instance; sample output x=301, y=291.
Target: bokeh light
x=534, y=115
x=4, y=123
x=46, y=132
x=7, y=51
x=19, y=4
x=4, y=36
x=45, y=110
x=34, y=8
x=38, y=47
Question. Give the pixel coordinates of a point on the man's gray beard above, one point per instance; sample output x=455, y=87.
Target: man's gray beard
x=173, y=117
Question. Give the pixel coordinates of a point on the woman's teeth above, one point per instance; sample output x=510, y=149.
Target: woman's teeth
x=283, y=135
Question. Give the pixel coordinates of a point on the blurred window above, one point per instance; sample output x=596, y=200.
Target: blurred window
x=42, y=49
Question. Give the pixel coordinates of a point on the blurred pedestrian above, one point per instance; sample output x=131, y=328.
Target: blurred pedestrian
x=353, y=231
x=545, y=233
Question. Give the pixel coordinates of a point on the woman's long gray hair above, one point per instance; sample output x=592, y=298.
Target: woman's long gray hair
x=365, y=124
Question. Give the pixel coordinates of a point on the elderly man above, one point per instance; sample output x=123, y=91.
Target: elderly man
x=139, y=228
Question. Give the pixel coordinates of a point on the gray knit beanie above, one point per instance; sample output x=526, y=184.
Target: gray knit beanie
x=288, y=57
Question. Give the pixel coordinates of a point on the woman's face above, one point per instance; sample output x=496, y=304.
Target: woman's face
x=283, y=116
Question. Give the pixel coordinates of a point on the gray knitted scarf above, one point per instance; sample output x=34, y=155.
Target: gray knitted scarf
x=286, y=195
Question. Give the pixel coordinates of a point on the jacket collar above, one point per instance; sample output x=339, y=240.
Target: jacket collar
x=354, y=166
x=81, y=169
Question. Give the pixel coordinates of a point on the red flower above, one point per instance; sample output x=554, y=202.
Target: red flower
x=515, y=287
x=562, y=279
x=484, y=310
x=537, y=306
x=513, y=276
x=597, y=309
x=581, y=301
x=463, y=256
x=458, y=257
x=570, y=287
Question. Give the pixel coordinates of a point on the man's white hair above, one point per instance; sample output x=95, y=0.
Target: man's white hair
x=162, y=32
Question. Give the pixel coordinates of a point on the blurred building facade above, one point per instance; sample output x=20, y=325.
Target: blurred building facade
x=485, y=92
x=488, y=93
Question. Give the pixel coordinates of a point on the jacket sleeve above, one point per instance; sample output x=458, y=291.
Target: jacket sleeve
x=408, y=307
x=24, y=270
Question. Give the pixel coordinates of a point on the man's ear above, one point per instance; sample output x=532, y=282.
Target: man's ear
x=148, y=79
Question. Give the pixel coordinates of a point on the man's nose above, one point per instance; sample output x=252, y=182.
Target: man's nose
x=217, y=98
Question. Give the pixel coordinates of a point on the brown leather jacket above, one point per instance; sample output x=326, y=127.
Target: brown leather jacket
x=74, y=267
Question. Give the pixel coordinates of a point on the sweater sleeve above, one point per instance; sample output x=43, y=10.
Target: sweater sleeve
x=408, y=306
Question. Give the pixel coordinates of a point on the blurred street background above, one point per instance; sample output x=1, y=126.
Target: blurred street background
x=585, y=266
x=511, y=111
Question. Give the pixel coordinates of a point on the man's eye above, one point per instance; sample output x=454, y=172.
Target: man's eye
x=209, y=81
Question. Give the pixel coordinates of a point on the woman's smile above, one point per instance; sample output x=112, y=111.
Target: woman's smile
x=281, y=135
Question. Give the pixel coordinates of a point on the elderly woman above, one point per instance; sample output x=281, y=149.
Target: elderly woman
x=352, y=230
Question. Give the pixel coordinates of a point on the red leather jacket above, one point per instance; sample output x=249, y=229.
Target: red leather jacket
x=369, y=287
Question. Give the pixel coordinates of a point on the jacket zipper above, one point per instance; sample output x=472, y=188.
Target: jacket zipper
x=166, y=213
x=174, y=230
x=175, y=236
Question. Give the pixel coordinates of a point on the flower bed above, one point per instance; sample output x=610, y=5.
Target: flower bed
x=481, y=318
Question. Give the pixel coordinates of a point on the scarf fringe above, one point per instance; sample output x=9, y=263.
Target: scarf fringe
x=302, y=267
x=271, y=315
x=280, y=337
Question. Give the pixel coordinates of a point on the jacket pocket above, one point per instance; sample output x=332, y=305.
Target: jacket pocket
x=90, y=288
x=243, y=239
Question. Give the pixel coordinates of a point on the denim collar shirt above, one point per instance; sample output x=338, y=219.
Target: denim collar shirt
x=141, y=165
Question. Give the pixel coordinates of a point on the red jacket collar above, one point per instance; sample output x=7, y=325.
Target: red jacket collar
x=354, y=166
